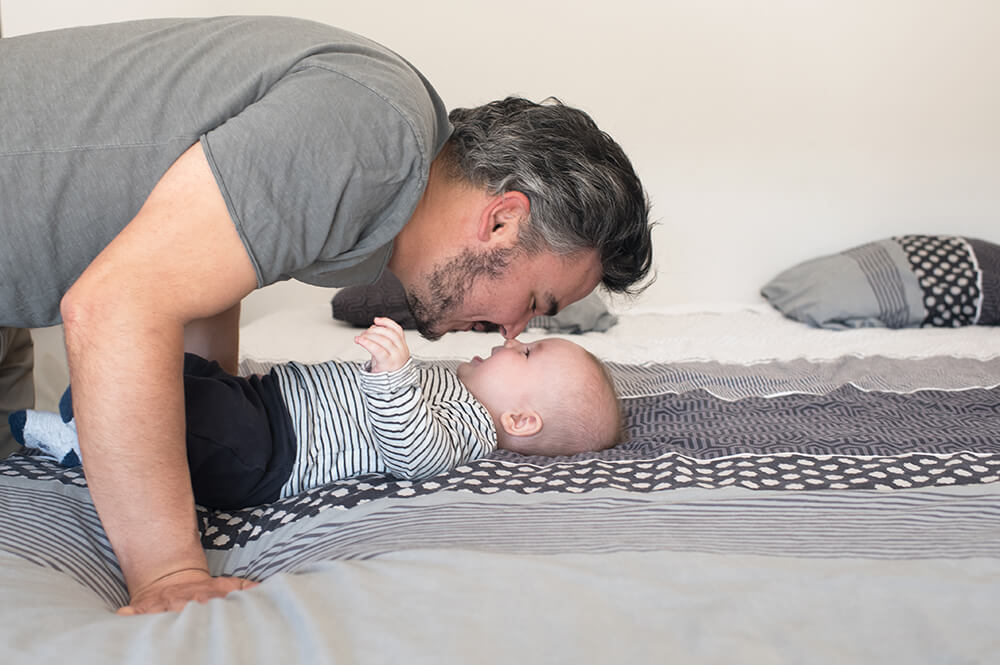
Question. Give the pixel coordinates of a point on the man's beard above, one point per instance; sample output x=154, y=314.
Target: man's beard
x=448, y=284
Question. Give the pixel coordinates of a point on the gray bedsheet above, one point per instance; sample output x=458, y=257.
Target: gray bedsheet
x=842, y=512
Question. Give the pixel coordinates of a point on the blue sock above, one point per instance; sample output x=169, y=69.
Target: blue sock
x=66, y=405
x=48, y=433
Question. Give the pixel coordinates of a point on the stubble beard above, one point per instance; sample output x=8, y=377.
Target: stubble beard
x=447, y=285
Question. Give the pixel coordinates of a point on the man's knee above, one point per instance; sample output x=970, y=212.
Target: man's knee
x=17, y=385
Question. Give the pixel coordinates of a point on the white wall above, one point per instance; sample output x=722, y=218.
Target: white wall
x=766, y=131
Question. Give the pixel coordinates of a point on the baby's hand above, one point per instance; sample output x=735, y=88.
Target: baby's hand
x=387, y=344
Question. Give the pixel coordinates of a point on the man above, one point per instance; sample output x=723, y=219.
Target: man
x=155, y=173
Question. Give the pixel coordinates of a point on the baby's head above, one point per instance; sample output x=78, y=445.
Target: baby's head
x=550, y=397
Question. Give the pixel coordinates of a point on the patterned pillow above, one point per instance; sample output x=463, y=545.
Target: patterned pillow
x=899, y=282
x=357, y=305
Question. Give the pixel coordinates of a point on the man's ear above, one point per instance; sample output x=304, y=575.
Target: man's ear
x=521, y=423
x=503, y=215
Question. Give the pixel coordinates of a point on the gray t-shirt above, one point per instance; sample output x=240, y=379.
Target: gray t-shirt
x=320, y=142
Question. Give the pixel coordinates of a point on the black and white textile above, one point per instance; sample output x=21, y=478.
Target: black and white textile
x=782, y=480
x=899, y=282
x=347, y=421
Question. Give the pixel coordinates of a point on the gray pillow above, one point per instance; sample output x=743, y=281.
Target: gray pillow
x=899, y=282
x=358, y=305
x=589, y=314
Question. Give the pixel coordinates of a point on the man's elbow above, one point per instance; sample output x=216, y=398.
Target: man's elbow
x=84, y=311
x=74, y=308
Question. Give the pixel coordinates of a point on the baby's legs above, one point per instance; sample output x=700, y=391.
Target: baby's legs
x=240, y=444
x=51, y=433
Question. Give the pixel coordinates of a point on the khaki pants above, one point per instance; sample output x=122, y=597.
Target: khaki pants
x=17, y=385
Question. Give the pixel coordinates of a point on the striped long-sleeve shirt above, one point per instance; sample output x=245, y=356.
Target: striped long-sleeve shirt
x=412, y=423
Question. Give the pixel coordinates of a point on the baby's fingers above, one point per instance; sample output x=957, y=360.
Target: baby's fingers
x=391, y=330
x=386, y=322
x=372, y=345
x=389, y=337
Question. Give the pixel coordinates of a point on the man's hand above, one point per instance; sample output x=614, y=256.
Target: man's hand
x=386, y=342
x=174, y=590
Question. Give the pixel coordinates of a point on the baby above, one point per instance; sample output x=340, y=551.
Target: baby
x=257, y=439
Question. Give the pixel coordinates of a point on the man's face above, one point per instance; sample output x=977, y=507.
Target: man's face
x=500, y=289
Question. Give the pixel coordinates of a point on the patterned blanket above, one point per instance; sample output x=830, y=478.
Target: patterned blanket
x=848, y=427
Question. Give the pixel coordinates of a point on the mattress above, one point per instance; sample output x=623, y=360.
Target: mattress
x=786, y=494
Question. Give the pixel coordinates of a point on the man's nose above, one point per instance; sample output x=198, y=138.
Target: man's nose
x=513, y=344
x=515, y=329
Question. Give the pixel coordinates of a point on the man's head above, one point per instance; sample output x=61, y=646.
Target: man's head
x=549, y=397
x=550, y=207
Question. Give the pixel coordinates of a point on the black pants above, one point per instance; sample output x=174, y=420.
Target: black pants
x=240, y=442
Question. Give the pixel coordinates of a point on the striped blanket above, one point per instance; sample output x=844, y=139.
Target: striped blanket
x=855, y=457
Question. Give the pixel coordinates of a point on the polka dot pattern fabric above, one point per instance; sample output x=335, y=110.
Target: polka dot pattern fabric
x=906, y=281
x=949, y=276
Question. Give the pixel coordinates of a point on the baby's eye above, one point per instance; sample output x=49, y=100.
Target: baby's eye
x=527, y=352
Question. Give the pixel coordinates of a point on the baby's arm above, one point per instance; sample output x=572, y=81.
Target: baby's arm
x=422, y=430
x=386, y=342
x=417, y=439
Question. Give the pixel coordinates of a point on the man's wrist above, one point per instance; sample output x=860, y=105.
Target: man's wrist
x=174, y=574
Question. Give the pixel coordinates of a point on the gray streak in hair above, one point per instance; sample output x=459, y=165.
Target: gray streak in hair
x=583, y=191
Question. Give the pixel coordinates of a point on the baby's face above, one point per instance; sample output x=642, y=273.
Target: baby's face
x=518, y=372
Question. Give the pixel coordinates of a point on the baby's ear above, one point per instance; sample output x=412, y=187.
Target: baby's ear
x=521, y=423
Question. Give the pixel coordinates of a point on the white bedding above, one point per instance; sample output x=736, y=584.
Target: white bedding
x=688, y=556
x=735, y=333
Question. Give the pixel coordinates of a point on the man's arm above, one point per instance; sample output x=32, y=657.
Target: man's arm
x=178, y=261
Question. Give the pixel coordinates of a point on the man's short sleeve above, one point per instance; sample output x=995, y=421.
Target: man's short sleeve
x=319, y=175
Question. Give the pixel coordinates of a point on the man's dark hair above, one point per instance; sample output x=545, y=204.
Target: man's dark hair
x=583, y=191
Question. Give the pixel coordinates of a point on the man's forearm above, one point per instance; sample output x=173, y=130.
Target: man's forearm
x=179, y=260
x=132, y=443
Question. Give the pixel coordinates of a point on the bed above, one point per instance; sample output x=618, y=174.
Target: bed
x=787, y=495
